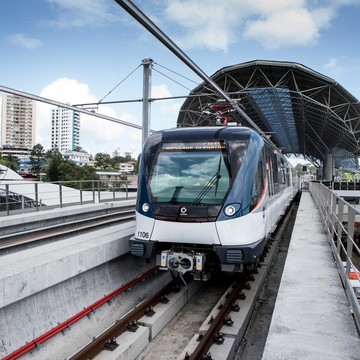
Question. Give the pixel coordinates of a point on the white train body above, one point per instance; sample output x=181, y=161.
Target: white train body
x=208, y=198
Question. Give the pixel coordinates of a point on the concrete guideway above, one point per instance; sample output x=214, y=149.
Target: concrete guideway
x=312, y=318
x=43, y=286
x=27, y=272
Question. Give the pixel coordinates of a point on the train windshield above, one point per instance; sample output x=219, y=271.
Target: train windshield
x=195, y=173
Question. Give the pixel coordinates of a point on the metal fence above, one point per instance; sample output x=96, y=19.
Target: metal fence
x=341, y=220
x=25, y=196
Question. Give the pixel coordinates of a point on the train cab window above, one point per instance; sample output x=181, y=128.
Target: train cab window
x=192, y=173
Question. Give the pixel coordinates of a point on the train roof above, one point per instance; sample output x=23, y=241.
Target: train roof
x=207, y=133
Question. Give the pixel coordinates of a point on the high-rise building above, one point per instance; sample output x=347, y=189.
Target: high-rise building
x=18, y=123
x=65, y=129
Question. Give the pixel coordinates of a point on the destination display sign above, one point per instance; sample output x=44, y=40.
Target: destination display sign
x=203, y=145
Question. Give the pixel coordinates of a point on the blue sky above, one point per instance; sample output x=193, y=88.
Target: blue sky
x=77, y=51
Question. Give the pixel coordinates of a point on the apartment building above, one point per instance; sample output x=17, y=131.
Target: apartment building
x=65, y=129
x=18, y=122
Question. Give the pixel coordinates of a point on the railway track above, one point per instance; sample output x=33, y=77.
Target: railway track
x=221, y=328
x=64, y=229
x=217, y=300
x=129, y=322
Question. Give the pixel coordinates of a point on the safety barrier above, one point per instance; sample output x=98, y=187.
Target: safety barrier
x=341, y=221
x=24, y=196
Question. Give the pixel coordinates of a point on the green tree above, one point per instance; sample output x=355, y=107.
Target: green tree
x=102, y=160
x=10, y=161
x=345, y=175
x=54, y=160
x=116, y=160
x=128, y=158
x=37, y=158
x=80, y=149
x=69, y=171
x=302, y=169
x=137, y=164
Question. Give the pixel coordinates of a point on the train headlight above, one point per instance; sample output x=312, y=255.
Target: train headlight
x=232, y=209
x=145, y=207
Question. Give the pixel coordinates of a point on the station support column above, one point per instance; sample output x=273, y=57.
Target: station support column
x=329, y=167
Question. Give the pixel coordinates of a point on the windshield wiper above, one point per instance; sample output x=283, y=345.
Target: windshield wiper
x=214, y=180
x=175, y=197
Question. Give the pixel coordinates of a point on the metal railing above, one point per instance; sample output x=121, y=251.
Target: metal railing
x=25, y=196
x=340, y=221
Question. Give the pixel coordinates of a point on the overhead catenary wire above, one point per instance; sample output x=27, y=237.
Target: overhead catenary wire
x=100, y=101
x=211, y=92
x=186, y=78
x=176, y=73
x=168, y=77
x=149, y=25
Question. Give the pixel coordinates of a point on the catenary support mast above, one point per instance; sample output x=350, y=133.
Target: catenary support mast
x=138, y=15
x=146, y=117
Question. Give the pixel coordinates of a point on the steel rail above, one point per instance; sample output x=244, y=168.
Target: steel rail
x=122, y=325
x=67, y=323
x=207, y=339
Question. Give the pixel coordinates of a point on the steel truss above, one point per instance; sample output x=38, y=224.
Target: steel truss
x=303, y=112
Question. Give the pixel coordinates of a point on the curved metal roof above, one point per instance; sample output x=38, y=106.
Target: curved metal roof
x=303, y=111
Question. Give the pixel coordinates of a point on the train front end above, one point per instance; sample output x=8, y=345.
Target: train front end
x=190, y=181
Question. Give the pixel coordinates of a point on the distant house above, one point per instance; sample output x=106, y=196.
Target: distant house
x=127, y=166
x=24, y=164
x=79, y=158
x=25, y=167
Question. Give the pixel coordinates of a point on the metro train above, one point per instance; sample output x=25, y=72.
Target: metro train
x=208, y=198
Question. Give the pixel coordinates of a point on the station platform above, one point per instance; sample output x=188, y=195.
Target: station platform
x=312, y=317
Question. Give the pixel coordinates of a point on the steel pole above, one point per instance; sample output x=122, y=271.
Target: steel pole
x=149, y=25
x=146, y=117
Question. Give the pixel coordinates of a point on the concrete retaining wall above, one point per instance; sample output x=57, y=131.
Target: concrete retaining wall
x=27, y=272
x=44, y=286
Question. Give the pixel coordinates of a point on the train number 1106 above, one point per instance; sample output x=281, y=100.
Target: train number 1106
x=143, y=234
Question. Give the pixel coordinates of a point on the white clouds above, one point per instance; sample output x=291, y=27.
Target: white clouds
x=332, y=63
x=66, y=90
x=217, y=25
x=160, y=91
x=96, y=135
x=288, y=27
x=273, y=24
x=99, y=135
x=24, y=41
x=207, y=23
x=164, y=113
x=74, y=13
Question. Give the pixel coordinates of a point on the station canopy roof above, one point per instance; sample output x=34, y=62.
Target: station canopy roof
x=302, y=111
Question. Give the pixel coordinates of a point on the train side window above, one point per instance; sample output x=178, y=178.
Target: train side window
x=275, y=173
x=282, y=174
x=258, y=187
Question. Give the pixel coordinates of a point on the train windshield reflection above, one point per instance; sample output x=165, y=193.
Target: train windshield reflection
x=199, y=177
